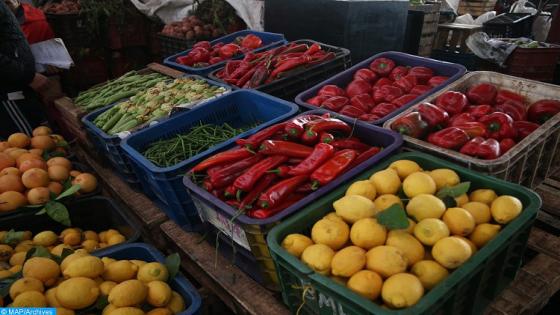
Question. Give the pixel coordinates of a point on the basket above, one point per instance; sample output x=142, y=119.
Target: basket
x=453, y=71
x=270, y=40
x=465, y=291
x=249, y=235
x=288, y=87
x=531, y=160
x=148, y=253
x=109, y=146
x=534, y=63
x=475, y=7
x=166, y=183
x=509, y=25
x=169, y=45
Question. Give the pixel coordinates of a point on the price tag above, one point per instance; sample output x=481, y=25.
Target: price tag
x=222, y=223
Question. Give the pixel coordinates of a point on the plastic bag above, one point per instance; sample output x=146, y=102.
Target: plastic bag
x=523, y=6
x=465, y=19
x=541, y=26
x=485, y=17
x=491, y=49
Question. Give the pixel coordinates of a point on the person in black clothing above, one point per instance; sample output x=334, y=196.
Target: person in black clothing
x=20, y=109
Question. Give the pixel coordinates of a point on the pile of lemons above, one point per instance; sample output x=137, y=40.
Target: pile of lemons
x=132, y=287
x=354, y=249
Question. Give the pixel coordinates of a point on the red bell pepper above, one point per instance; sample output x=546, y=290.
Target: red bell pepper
x=499, y=126
x=483, y=93
x=449, y=138
x=352, y=111
x=434, y=116
x=405, y=99
x=407, y=82
x=452, y=102
x=411, y=125
x=387, y=93
x=317, y=100
x=506, y=144
x=514, y=109
x=251, y=42
x=326, y=137
x=229, y=50
x=247, y=180
x=488, y=149
x=381, y=82
x=398, y=73
x=437, y=80
x=331, y=169
x=478, y=111
x=541, y=111
x=460, y=119
x=363, y=101
x=203, y=44
x=255, y=140
x=225, y=157
x=215, y=60
x=420, y=89
x=335, y=103
x=382, y=66
x=473, y=129
x=505, y=95
x=268, y=212
x=423, y=74
x=524, y=128
x=366, y=75
x=286, y=148
x=331, y=90
x=383, y=109
x=185, y=60
x=321, y=153
x=357, y=87
x=253, y=194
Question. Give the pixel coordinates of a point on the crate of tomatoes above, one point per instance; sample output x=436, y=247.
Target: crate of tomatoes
x=381, y=87
x=206, y=56
x=501, y=125
x=256, y=182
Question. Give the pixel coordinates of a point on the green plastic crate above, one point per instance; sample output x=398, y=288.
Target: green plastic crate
x=467, y=290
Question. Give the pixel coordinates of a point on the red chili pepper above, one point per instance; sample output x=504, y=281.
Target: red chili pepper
x=357, y=87
x=268, y=212
x=437, y=80
x=326, y=137
x=295, y=127
x=218, y=193
x=383, y=109
x=331, y=169
x=251, y=41
x=212, y=171
x=331, y=90
x=281, y=171
x=229, y=50
x=287, y=148
x=449, y=138
x=387, y=93
x=233, y=203
x=434, y=116
x=317, y=100
x=230, y=191
x=505, y=95
x=423, y=74
x=253, y=194
x=247, y=180
x=406, y=83
x=411, y=125
x=305, y=188
x=405, y=99
x=239, y=72
x=246, y=77
x=499, y=126
x=363, y=101
x=488, y=149
x=293, y=161
x=514, y=109
x=381, y=82
x=366, y=75
x=364, y=156
x=479, y=111
x=219, y=177
x=329, y=125
x=352, y=111
x=350, y=143
x=279, y=192
x=452, y=102
x=288, y=65
x=313, y=49
x=524, y=128
x=473, y=129
x=460, y=119
x=541, y=111
x=255, y=140
x=335, y=103
x=260, y=75
x=482, y=93
x=321, y=153
x=231, y=66
x=382, y=66
x=420, y=89
x=398, y=73
x=506, y=144
x=222, y=158
x=206, y=184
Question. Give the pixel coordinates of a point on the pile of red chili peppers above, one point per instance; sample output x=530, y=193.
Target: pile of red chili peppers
x=256, y=69
x=485, y=122
x=278, y=166
x=204, y=54
x=378, y=91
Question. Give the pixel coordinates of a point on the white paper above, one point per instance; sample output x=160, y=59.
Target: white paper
x=51, y=52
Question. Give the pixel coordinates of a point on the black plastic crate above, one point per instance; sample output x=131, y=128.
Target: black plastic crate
x=169, y=45
x=509, y=25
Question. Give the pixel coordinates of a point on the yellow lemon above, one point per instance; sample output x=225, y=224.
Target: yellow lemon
x=24, y=246
x=413, y=250
x=107, y=261
x=483, y=195
x=461, y=200
x=385, y=201
x=410, y=228
x=368, y=233
x=120, y=271
x=505, y=208
x=87, y=266
x=30, y=299
x=138, y=263
x=160, y=311
x=44, y=269
x=32, y=284
x=444, y=177
x=177, y=303
x=479, y=211
x=153, y=271
x=471, y=244
x=17, y=258
x=354, y=207
x=483, y=233
x=5, y=274
x=159, y=293
x=129, y=310
x=45, y=238
x=451, y=252
x=429, y=272
x=295, y=244
x=70, y=258
x=425, y=206
x=366, y=283
x=348, y=261
x=106, y=287
x=77, y=293
x=333, y=216
x=58, y=249
x=429, y=231
x=386, y=260
x=90, y=245
x=318, y=257
x=6, y=252
x=405, y=167
x=108, y=309
x=363, y=188
x=333, y=233
x=128, y=293
x=459, y=221
x=50, y=295
x=402, y=290
x=386, y=181
x=418, y=183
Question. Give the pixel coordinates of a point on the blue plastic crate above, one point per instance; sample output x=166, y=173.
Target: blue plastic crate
x=238, y=108
x=453, y=71
x=148, y=253
x=109, y=145
x=269, y=40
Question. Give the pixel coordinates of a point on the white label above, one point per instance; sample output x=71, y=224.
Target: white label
x=222, y=223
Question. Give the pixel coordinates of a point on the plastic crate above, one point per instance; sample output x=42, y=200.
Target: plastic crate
x=531, y=160
x=109, y=145
x=169, y=45
x=534, y=63
x=467, y=290
x=509, y=25
x=270, y=40
x=287, y=88
x=146, y=252
x=468, y=60
x=453, y=71
x=239, y=108
x=249, y=234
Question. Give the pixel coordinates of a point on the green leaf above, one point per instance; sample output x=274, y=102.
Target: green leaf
x=449, y=202
x=65, y=253
x=454, y=191
x=52, y=196
x=41, y=212
x=7, y=282
x=30, y=253
x=68, y=192
x=13, y=237
x=41, y=251
x=173, y=262
x=62, y=143
x=393, y=218
x=58, y=212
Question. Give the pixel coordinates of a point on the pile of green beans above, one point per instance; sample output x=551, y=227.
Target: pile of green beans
x=168, y=152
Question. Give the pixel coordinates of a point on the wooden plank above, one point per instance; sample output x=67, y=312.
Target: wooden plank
x=165, y=70
x=549, y=196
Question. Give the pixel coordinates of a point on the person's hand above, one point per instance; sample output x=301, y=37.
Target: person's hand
x=39, y=82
